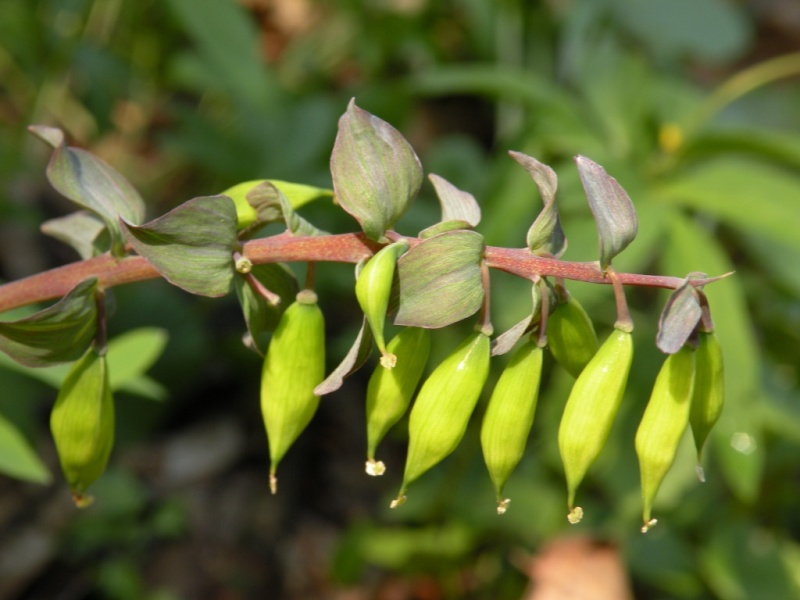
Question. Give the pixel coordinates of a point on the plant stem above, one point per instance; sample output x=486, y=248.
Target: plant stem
x=345, y=248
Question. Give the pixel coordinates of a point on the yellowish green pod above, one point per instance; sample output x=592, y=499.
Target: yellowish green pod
x=709, y=389
x=246, y=215
x=389, y=391
x=590, y=410
x=571, y=336
x=373, y=290
x=293, y=366
x=82, y=424
x=443, y=408
x=509, y=416
x=663, y=424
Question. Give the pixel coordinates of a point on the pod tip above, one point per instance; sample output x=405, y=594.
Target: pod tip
x=649, y=525
x=375, y=467
x=502, y=506
x=575, y=515
x=82, y=500
x=273, y=484
x=388, y=360
x=400, y=500
x=701, y=474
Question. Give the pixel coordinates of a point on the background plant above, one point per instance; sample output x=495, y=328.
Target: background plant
x=583, y=101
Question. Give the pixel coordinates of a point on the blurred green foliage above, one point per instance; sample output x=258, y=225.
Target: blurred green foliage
x=188, y=98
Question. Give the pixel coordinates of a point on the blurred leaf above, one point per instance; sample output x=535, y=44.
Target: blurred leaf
x=81, y=230
x=132, y=353
x=90, y=182
x=612, y=209
x=376, y=173
x=545, y=236
x=747, y=195
x=192, y=245
x=227, y=40
x=59, y=333
x=778, y=146
x=439, y=280
x=17, y=458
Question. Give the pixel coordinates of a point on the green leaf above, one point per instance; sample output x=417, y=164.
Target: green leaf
x=192, y=245
x=81, y=230
x=17, y=458
x=132, y=353
x=260, y=316
x=376, y=173
x=747, y=195
x=439, y=280
x=90, y=183
x=258, y=202
x=59, y=333
x=352, y=362
x=613, y=210
x=504, y=342
x=457, y=205
x=545, y=236
x=678, y=319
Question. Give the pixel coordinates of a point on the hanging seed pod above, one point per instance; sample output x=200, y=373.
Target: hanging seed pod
x=443, y=407
x=389, y=391
x=590, y=410
x=709, y=390
x=509, y=416
x=82, y=424
x=293, y=366
x=571, y=336
x=663, y=424
x=373, y=290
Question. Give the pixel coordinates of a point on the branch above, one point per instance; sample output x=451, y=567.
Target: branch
x=344, y=248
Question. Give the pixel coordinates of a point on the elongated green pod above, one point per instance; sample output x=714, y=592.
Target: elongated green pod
x=293, y=366
x=663, y=424
x=82, y=424
x=443, y=407
x=571, y=336
x=389, y=391
x=709, y=390
x=373, y=290
x=590, y=410
x=509, y=416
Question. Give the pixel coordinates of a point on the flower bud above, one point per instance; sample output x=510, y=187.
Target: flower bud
x=590, y=410
x=571, y=336
x=389, y=391
x=663, y=424
x=509, y=416
x=709, y=389
x=443, y=407
x=293, y=366
x=82, y=424
x=373, y=290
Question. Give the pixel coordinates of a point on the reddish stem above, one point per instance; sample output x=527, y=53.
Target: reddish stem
x=345, y=248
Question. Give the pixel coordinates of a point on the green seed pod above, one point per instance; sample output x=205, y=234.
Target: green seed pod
x=373, y=290
x=663, y=424
x=390, y=390
x=509, y=416
x=443, y=407
x=82, y=424
x=293, y=366
x=709, y=390
x=590, y=410
x=571, y=336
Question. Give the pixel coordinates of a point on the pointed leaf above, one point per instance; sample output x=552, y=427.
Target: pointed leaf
x=504, y=342
x=439, y=280
x=192, y=245
x=545, y=235
x=457, y=205
x=612, y=209
x=82, y=230
x=260, y=316
x=90, y=182
x=352, y=362
x=376, y=173
x=132, y=353
x=59, y=333
x=294, y=222
x=17, y=458
x=678, y=319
